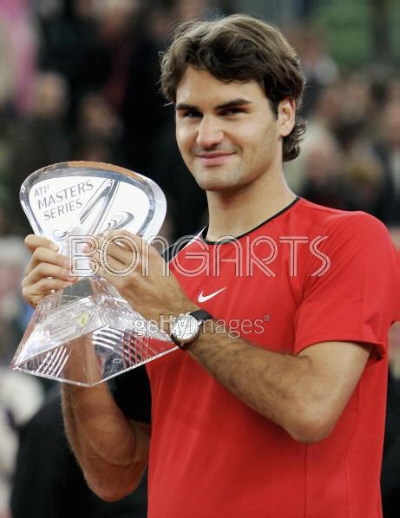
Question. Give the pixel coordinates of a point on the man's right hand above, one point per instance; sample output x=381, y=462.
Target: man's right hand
x=47, y=270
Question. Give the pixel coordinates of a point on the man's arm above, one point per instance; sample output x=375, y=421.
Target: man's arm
x=111, y=449
x=304, y=394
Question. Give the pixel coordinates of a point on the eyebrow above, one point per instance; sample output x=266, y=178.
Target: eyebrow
x=230, y=104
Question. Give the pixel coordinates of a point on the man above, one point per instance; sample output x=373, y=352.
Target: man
x=275, y=406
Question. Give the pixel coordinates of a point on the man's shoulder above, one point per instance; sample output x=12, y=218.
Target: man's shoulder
x=332, y=218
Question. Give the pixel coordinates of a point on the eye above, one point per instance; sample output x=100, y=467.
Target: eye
x=190, y=114
x=234, y=110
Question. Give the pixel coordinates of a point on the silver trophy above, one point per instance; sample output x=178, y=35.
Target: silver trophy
x=87, y=333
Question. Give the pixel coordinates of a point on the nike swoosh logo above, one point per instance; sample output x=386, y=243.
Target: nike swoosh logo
x=204, y=298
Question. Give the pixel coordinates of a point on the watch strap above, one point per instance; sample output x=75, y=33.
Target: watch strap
x=201, y=316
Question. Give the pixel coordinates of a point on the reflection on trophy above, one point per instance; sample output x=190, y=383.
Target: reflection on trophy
x=87, y=333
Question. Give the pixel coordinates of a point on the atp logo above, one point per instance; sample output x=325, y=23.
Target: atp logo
x=95, y=217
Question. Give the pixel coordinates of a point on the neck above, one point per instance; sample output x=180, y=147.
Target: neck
x=235, y=213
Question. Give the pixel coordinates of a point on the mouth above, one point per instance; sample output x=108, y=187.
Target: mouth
x=213, y=159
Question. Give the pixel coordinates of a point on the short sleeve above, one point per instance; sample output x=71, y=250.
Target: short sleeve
x=354, y=299
x=132, y=394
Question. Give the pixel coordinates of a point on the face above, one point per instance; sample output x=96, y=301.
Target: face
x=227, y=133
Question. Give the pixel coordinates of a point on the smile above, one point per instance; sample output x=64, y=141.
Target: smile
x=214, y=159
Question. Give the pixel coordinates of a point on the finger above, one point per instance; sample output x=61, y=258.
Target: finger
x=122, y=249
x=45, y=270
x=114, y=234
x=32, y=293
x=111, y=267
x=43, y=279
x=33, y=241
x=124, y=239
x=45, y=286
x=48, y=256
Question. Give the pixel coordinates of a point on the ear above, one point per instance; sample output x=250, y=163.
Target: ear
x=286, y=116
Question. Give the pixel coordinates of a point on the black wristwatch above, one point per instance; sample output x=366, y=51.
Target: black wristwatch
x=185, y=328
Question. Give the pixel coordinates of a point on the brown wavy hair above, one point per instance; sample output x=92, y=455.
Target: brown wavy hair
x=238, y=48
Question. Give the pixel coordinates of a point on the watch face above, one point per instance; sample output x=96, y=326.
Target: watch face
x=185, y=328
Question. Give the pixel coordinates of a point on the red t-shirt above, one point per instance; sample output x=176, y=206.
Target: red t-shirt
x=308, y=275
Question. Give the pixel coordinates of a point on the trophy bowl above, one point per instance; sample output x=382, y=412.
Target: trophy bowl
x=87, y=333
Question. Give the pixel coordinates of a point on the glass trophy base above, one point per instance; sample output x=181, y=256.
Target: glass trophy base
x=87, y=334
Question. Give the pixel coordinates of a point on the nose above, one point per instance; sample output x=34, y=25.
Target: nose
x=209, y=132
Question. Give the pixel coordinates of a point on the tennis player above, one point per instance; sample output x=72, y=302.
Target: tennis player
x=274, y=405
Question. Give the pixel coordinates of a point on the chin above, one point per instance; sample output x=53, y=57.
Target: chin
x=213, y=181
x=213, y=186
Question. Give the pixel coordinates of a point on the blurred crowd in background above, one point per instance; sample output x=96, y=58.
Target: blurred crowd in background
x=79, y=81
